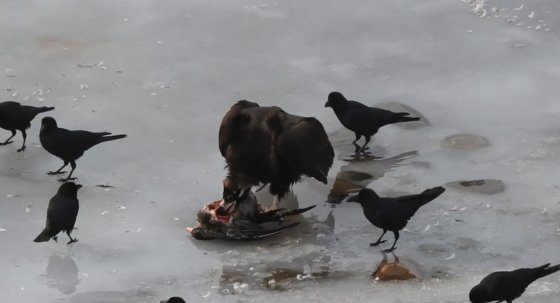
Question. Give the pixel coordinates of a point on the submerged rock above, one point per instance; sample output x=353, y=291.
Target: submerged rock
x=465, y=141
x=465, y=243
x=395, y=270
x=483, y=186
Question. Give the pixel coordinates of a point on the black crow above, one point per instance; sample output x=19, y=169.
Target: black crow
x=173, y=300
x=69, y=145
x=392, y=213
x=62, y=213
x=266, y=145
x=361, y=119
x=508, y=285
x=14, y=116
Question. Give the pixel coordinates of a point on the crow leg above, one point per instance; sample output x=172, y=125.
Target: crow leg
x=24, y=134
x=8, y=140
x=358, y=136
x=55, y=238
x=73, y=164
x=59, y=171
x=368, y=138
x=357, y=148
x=396, y=232
x=71, y=240
x=379, y=240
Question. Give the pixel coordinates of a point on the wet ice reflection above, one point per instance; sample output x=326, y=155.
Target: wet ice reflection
x=291, y=259
x=62, y=273
x=113, y=297
x=363, y=169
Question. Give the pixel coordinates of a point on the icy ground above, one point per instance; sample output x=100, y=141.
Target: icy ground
x=164, y=72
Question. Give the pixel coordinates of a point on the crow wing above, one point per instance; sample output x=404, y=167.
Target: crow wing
x=11, y=116
x=62, y=212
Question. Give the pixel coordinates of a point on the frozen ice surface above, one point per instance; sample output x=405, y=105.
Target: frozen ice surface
x=164, y=72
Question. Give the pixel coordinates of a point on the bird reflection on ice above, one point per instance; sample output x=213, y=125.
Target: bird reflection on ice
x=362, y=169
x=62, y=273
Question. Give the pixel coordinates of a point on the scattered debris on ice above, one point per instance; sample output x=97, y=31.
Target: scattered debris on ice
x=451, y=257
x=478, y=7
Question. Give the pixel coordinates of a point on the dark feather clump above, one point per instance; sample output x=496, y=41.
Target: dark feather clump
x=266, y=145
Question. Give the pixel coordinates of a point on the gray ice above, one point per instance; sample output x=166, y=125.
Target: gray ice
x=164, y=72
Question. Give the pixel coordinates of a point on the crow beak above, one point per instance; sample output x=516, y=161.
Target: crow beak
x=328, y=104
x=355, y=198
x=78, y=185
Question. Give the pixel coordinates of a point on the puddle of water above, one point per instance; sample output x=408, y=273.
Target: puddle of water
x=465, y=141
x=483, y=186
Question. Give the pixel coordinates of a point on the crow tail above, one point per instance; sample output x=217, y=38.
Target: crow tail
x=44, y=236
x=546, y=270
x=430, y=194
x=45, y=109
x=109, y=138
x=403, y=117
